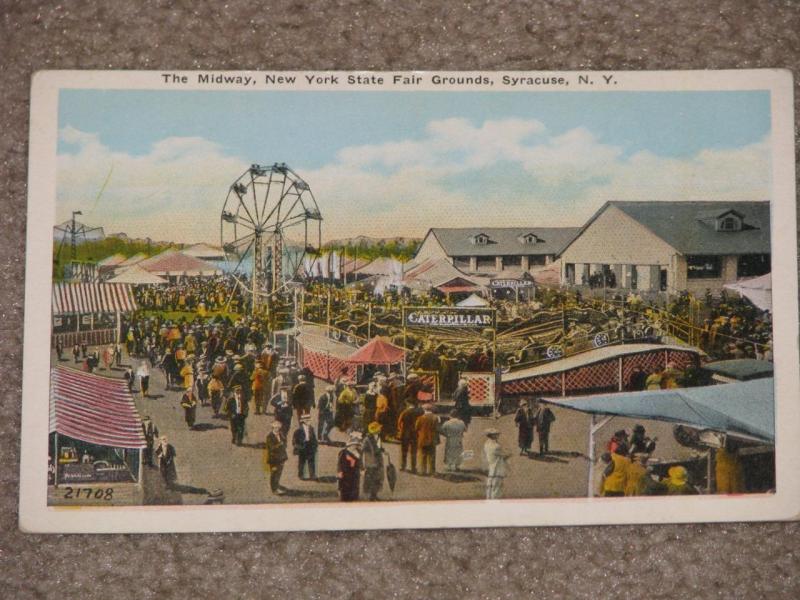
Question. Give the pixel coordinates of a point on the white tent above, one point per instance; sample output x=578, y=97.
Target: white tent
x=756, y=289
x=136, y=275
x=472, y=301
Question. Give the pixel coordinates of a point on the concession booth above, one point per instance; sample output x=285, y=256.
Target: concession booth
x=95, y=433
x=730, y=422
x=89, y=312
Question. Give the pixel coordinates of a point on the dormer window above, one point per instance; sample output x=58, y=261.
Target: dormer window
x=729, y=222
x=529, y=238
x=480, y=239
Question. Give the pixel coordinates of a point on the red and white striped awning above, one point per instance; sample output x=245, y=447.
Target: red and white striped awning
x=85, y=298
x=94, y=409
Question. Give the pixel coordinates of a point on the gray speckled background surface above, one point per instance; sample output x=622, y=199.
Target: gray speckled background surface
x=724, y=561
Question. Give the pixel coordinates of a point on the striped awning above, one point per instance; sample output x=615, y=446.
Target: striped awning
x=85, y=298
x=94, y=409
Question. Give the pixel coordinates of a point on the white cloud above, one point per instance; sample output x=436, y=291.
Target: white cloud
x=176, y=190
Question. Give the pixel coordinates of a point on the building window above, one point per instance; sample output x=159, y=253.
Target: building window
x=537, y=259
x=529, y=238
x=703, y=267
x=461, y=262
x=486, y=263
x=729, y=223
x=480, y=239
x=512, y=261
x=753, y=265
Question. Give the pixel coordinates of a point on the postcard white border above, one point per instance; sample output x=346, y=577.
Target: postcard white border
x=36, y=516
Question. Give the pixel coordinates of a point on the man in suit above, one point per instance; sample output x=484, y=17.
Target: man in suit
x=325, y=423
x=237, y=411
x=427, y=428
x=275, y=456
x=300, y=402
x=304, y=444
x=543, y=418
x=165, y=454
x=407, y=433
x=150, y=432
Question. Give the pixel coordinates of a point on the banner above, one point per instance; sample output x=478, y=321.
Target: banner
x=449, y=317
x=511, y=283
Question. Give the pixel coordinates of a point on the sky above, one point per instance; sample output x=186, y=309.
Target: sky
x=159, y=164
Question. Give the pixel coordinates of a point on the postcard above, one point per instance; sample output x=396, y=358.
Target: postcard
x=365, y=300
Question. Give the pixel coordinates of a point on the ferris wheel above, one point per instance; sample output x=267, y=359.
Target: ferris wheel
x=269, y=223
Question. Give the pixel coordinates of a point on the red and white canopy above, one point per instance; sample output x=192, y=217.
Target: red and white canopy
x=85, y=298
x=377, y=352
x=94, y=409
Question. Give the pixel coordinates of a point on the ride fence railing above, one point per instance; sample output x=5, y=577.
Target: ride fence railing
x=96, y=337
x=584, y=343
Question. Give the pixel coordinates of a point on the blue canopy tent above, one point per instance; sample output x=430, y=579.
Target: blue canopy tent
x=745, y=409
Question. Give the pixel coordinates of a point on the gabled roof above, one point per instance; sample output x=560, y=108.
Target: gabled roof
x=503, y=241
x=688, y=226
x=432, y=273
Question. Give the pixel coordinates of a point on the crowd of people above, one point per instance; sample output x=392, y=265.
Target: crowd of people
x=627, y=470
x=235, y=371
x=194, y=294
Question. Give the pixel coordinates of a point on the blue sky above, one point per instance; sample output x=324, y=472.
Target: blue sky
x=533, y=155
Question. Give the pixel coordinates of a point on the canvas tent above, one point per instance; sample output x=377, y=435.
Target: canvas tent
x=97, y=415
x=757, y=289
x=136, y=275
x=745, y=409
x=133, y=260
x=89, y=298
x=172, y=263
x=472, y=301
x=377, y=352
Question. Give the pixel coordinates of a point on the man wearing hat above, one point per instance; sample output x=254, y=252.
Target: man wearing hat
x=325, y=417
x=237, y=411
x=372, y=461
x=300, y=397
x=150, y=432
x=543, y=418
x=406, y=431
x=304, y=445
x=427, y=428
x=496, y=459
x=275, y=456
x=346, y=406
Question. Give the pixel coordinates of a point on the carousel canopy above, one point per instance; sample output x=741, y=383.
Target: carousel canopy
x=377, y=352
x=173, y=262
x=136, y=275
x=94, y=409
x=746, y=408
x=85, y=298
x=473, y=301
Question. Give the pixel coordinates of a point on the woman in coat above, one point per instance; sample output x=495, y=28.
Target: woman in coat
x=165, y=455
x=348, y=472
x=453, y=431
x=372, y=461
x=189, y=406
